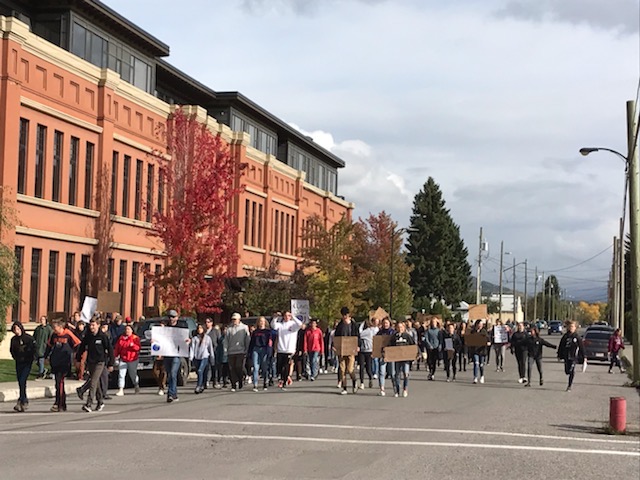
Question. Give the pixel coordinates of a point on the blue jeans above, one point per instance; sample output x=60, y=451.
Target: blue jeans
x=375, y=366
x=22, y=374
x=478, y=365
x=201, y=369
x=260, y=358
x=402, y=369
x=40, y=366
x=172, y=366
x=383, y=372
x=314, y=360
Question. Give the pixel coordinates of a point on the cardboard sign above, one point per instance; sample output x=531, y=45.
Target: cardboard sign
x=475, y=340
x=51, y=316
x=477, y=312
x=380, y=314
x=88, y=309
x=109, y=302
x=422, y=317
x=380, y=342
x=405, y=353
x=151, y=312
x=345, y=346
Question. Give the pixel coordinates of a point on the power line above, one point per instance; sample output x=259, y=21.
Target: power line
x=581, y=263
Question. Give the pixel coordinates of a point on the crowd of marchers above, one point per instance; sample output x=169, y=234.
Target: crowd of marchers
x=280, y=352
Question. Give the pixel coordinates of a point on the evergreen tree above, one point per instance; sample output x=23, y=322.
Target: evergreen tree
x=435, y=250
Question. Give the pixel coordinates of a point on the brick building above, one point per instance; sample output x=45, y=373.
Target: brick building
x=83, y=92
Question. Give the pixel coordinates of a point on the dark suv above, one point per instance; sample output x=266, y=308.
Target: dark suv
x=555, y=326
x=145, y=361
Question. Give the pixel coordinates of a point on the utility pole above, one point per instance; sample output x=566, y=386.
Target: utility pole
x=634, y=230
x=479, y=275
x=614, y=294
x=621, y=300
x=500, y=295
x=544, y=305
x=393, y=234
x=535, y=296
x=524, y=318
x=514, y=290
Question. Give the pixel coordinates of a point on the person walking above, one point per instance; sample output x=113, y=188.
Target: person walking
x=499, y=344
x=433, y=341
x=172, y=364
x=534, y=344
x=385, y=367
x=201, y=349
x=367, y=331
x=60, y=354
x=616, y=343
x=463, y=353
x=313, y=346
x=210, y=369
x=237, y=340
x=478, y=353
x=347, y=328
x=451, y=345
x=260, y=346
x=286, y=328
x=400, y=339
x=127, y=351
x=519, y=348
x=41, y=336
x=99, y=357
x=571, y=351
x=23, y=350
x=81, y=362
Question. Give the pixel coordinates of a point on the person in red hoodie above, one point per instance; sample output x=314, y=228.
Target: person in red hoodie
x=616, y=343
x=313, y=346
x=127, y=351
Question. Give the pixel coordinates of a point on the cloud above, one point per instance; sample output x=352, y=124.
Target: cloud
x=299, y=7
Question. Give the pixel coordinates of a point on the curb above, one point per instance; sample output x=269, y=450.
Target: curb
x=12, y=392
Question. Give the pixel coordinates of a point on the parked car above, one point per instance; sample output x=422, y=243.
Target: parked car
x=601, y=327
x=596, y=344
x=555, y=326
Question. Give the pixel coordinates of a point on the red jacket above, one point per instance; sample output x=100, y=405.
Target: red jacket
x=615, y=344
x=128, y=348
x=313, y=340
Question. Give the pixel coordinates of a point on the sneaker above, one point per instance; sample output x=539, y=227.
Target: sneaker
x=265, y=387
x=339, y=385
x=100, y=407
x=175, y=399
x=475, y=379
x=527, y=384
x=482, y=379
x=362, y=386
x=568, y=389
x=271, y=382
x=39, y=377
x=169, y=399
x=355, y=389
x=160, y=391
x=541, y=382
x=405, y=394
x=448, y=379
x=87, y=408
x=497, y=369
x=375, y=376
x=255, y=389
x=233, y=389
x=622, y=370
x=520, y=380
x=120, y=392
x=370, y=384
x=343, y=392
x=249, y=381
x=217, y=386
x=107, y=397
x=396, y=395
x=610, y=371
x=55, y=408
x=313, y=379
x=18, y=407
x=25, y=406
x=454, y=378
x=280, y=384
x=525, y=380
x=79, y=393
x=381, y=393
x=137, y=389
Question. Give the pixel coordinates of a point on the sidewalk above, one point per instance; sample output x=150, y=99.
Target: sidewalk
x=9, y=391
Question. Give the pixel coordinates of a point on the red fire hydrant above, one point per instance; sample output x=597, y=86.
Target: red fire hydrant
x=618, y=414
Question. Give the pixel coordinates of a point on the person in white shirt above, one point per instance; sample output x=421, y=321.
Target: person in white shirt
x=287, y=328
x=366, y=348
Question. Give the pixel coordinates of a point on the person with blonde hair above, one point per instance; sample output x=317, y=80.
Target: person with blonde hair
x=260, y=351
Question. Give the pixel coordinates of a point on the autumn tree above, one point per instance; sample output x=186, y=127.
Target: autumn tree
x=196, y=228
x=103, y=232
x=376, y=255
x=589, y=313
x=334, y=280
x=8, y=264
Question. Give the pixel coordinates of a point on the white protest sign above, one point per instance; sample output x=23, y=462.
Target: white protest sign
x=88, y=308
x=300, y=310
x=448, y=343
x=169, y=341
x=500, y=334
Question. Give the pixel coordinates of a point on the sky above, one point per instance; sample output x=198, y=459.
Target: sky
x=491, y=98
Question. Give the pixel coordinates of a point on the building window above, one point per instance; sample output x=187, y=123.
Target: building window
x=286, y=233
x=282, y=236
x=88, y=176
x=73, y=170
x=88, y=45
x=114, y=182
x=17, y=284
x=34, y=300
x=110, y=275
x=145, y=285
x=53, y=276
x=121, y=279
x=58, y=145
x=68, y=280
x=135, y=272
x=247, y=221
x=260, y=225
x=126, y=186
x=261, y=139
x=156, y=290
x=276, y=236
x=85, y=272
x=22, y=155
x=138, y=193
x=41, y=145
x=293, y=235
x=149, y=208
x=161, y=191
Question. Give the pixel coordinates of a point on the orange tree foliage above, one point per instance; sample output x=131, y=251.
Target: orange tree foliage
x=196, y=228
x=588, y=313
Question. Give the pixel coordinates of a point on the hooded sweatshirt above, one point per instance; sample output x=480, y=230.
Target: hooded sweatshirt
x=60, y=350
x=366, y=338
x=41, y=335
x=201, y=348
x=237, y=339
x=287, y=334
x=98, y=348
x=23, y=346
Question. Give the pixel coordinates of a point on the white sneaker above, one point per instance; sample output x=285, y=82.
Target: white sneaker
x=482, y=379
x=160, y=391
x=362, y=386
x=396, y=395
x=405, y=394
x=525, y=380
x=520, y=380
x=381, y=393
x=255, y=389
x=250, y=381
x=120, y=392
x=475, y=379
x=375, y=376
x=339, y=385
x=343, y=392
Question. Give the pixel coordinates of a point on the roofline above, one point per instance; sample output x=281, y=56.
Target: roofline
x=158, y=47
x=237, y=96
x=162, y=63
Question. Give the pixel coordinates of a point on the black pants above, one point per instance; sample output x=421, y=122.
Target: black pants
x=236, y=369
x=615, y=360
x=538, y=362
x=462, y=359
x=284, y=360
x=450, y=363
x=570, y=369
x=521, y=357
x=364, y=360
x=432, y=359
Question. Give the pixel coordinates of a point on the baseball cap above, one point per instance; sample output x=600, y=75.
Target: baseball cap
x=172, y=313
x=236, y=316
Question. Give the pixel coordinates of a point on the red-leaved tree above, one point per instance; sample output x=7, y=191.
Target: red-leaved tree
x=196, y=228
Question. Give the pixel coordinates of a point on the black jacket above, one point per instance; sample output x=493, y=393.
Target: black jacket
x=571, y=347
x=347, y=330
x=519, y=342
x=402, y=339
x=98, y=348
x=534, y=346
x=457, y=341
x=23, y=346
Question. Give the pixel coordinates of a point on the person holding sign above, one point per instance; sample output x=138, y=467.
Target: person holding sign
x=347, y=328
x=500, y=339
x=452, y=344
x=287, y=329
x=172, y=364
x=385, y=330
x=478, y=349
x=402, y=338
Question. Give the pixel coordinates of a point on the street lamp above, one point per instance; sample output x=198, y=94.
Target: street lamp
x=394, y=232
x=633, y=171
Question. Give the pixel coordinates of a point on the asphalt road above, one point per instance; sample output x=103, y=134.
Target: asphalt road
x=442, y=430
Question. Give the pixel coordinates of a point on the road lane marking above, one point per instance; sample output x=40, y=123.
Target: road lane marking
x=527, y=448
x=369, y=428
x=17, y=415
